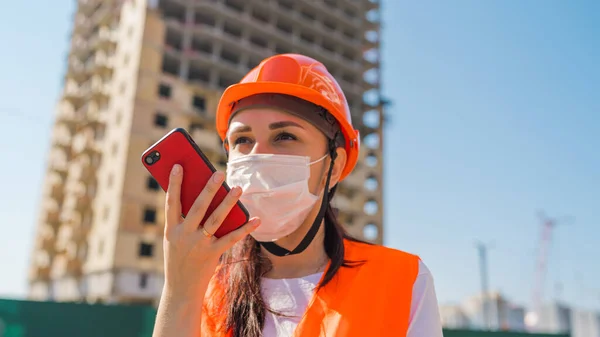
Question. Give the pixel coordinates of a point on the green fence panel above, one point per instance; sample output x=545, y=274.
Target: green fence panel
x=476, y=333
x=50, y=319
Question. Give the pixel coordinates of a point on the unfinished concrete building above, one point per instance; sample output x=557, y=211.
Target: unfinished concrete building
x=137, y=69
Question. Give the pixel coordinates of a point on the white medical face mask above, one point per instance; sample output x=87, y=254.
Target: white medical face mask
x=275, y=189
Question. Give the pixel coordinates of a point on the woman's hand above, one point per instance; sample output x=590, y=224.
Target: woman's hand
x=191, y=257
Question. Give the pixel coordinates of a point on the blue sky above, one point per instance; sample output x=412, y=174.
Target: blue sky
x=495, y=115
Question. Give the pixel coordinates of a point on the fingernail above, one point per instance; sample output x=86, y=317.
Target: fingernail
x=236, y=191
x=176, y=169
x=218, y=177
x=256, y=223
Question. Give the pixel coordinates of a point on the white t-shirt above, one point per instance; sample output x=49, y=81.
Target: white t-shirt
x=290, y=297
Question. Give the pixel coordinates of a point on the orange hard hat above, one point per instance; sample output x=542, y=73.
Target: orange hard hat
x=299, y=76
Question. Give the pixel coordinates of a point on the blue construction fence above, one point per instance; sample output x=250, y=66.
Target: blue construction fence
x=51, y=319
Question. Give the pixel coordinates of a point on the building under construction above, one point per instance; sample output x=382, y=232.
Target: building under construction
x=137, y=69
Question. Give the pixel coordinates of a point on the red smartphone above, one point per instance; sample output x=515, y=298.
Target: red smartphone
x=178, y=147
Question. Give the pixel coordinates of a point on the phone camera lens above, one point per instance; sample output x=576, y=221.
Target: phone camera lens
x=152, y=158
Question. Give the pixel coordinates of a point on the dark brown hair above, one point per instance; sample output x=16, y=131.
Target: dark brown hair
x=243, y=266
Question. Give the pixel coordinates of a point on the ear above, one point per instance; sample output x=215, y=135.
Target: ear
x=338, y=166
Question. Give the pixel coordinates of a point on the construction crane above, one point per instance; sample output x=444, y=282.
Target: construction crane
x=548, y=224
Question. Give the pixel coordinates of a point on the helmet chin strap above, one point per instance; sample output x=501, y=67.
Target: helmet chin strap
x=277, y=250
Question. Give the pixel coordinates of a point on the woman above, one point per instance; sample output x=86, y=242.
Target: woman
x=291, y=270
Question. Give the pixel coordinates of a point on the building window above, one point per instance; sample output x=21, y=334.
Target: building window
x=143, y=280
x=152, y=184
x=146, y=249
x=161, y=120
x=199, y=102
x=149, y=215
x=164, y=91
x=196, y=126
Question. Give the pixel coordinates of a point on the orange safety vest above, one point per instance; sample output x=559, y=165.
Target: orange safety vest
x=371, y=299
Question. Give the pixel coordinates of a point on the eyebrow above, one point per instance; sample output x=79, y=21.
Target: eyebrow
x=272, y=126
x=283, y=124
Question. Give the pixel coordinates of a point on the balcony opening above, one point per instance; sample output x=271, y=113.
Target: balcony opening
x=199, y=45
x=203, y=18
x=225, y=81
x=285, y=27
x=308, y=15
x=332, y=69
x=349, y=34
x=331, y=3
x=307, y=37
x=259, y=41
x=372, y=36
x=230, y=56
x=373, y=16
x=329, y=25
x=371, y=207
x=253, y=62
x=350, y=13
x=348, y=77
x=371, y=231
x=236, y=5
x=232, y=30
x=170, y=65
x=281, y=50
x=371, y=77
x=172, y=11
x=371, y=140
x=260, y=14
x=371, y=119
x=328, y=45
x=371, y=55
x=348, y=55
x=286, y=4
x=198, y=74
x=371, y=183
x=173, y=38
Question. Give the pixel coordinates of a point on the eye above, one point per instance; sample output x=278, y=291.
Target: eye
x=241, y=140
x=285, y=136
